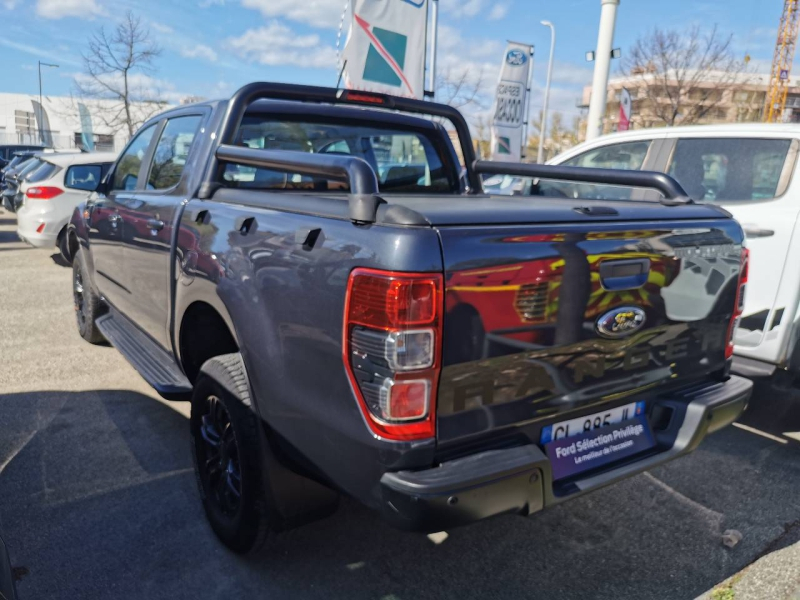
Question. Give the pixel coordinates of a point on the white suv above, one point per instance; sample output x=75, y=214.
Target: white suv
x=50, y=194
x=749, y=169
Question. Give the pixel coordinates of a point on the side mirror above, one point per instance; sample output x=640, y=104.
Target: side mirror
x=102, y=187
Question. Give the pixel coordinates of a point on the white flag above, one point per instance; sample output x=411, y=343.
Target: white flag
x=510, y=102
x=385, y=49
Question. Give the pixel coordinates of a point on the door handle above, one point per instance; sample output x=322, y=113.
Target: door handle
x=155, y=224
x=752, y=231
x=114, y=219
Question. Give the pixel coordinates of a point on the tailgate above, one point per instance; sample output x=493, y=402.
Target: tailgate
x=554, y=321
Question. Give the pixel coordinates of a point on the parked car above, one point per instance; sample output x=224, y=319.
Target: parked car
x=750, y=171
x=7, y=151
x=13, y=179
x=51, y=192
x=339, y=330
x=17, y=158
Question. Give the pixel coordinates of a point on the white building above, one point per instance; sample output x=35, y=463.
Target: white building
x=66, y=122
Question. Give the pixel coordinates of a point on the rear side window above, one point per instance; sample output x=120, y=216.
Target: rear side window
x=405, y=162
x=44, y=171
x=729, y=169
x=83, y=177
x=172, y=151
x=126, y=174
x=625, y=156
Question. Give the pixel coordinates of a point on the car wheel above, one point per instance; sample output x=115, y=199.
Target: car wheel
x=228, y=458
x=63, y=247
x=88, y=306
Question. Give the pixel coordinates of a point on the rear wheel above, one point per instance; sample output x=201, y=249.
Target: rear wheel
x=88, y=306
x=228, y=458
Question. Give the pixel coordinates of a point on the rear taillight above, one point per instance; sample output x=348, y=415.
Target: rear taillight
x=43, y=192
x=392, y=349
x=739, y=308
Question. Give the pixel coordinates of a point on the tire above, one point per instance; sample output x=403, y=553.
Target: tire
x=63, y=247
x=228, y=458
x=88, y=306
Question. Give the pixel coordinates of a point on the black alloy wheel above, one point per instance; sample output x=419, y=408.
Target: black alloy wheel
x=218, y=459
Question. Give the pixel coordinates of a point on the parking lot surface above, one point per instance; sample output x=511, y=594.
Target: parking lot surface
x=98, y=497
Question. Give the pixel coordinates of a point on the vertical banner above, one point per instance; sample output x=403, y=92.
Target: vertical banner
x=625, y=110
x=42, y=124
x=385, y=49
x=510, y=104
x=87, y=135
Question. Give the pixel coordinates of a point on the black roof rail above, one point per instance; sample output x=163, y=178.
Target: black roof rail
x=673, y=193
x=356, y=172
x=245, y=96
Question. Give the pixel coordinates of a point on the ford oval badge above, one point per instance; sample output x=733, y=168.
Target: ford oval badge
x=516, y=58
x=621, y=321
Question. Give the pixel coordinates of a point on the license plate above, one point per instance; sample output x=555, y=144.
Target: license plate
x=573, y=427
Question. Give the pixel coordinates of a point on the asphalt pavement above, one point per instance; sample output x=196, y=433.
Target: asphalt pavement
x=98, y=498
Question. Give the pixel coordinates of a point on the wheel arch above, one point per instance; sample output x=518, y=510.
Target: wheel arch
x=204, y=330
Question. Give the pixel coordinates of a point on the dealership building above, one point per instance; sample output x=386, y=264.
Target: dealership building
x=64, y=123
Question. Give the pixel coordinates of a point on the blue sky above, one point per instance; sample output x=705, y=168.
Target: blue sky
x=213, y=46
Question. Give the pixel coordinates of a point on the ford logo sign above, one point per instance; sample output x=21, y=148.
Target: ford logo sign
x=621, y=322
x=516, y=58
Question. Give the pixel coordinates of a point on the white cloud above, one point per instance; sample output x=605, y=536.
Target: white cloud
x=161, y=28
x=142, y=87
x=277, y=44
x=9, y=4
x=461, y=8
x=318, y=13
x=60, y=58
x=499, y=11
x=199, y=51
x=58, y=9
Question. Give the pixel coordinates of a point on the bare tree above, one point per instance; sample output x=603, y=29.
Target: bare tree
x=118, y=66
x=559, y=137
x=681, y=77
x=460, y=89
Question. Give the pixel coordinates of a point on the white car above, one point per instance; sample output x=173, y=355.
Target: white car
x=749, y=170
x=51, y=193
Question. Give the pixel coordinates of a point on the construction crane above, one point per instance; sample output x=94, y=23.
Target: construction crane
x=782, y=62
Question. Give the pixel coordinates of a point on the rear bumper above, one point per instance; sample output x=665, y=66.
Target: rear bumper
x=519, y=480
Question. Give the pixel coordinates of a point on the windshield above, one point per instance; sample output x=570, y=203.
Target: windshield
x=404, y=161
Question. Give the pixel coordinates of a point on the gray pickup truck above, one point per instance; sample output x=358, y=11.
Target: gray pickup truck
x=348, y=312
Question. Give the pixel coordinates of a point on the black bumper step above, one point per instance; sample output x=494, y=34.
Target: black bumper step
x=154, y=364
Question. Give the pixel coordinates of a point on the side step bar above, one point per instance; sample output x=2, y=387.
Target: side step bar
x=152, y=362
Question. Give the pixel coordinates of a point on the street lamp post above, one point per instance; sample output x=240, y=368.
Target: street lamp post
x=41, y=106
x=543, y=126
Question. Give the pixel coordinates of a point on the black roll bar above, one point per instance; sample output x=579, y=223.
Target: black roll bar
x=673, y=193
x=245, y=96
x=354, y=171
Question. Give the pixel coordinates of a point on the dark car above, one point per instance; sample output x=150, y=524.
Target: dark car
x=7, y=151
x=348, y=312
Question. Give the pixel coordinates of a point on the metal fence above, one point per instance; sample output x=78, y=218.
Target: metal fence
x=59, y=141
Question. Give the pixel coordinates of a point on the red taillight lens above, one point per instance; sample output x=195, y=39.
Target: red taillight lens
x=391, y=302
x=392, y=348
x=43, y=192
x=739, y=307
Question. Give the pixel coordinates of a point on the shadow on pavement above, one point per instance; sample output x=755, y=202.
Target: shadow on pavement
x=99, y=494
x=7, y=237
x=59, y=260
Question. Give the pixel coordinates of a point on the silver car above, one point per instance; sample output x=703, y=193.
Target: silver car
x=50, y=194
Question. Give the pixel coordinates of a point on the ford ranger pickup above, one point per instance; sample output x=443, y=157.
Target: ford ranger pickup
x=348, y=312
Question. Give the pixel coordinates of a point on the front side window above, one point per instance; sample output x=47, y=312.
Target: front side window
x=126, y=174
x=172, y=151
x=625, y=156
x=83, y=177
x=729, y=169
x=405, y=162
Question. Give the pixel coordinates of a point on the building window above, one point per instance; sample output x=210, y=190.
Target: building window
x=25, y=121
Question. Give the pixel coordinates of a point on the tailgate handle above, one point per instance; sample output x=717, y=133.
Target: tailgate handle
x=618, y=275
